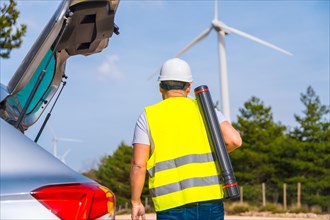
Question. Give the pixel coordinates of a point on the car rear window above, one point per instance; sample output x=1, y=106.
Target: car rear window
x=23, y=95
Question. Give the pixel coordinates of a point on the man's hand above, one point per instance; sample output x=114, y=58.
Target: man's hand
x=138, y=211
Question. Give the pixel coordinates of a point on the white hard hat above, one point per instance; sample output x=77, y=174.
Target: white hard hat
x=177, y=70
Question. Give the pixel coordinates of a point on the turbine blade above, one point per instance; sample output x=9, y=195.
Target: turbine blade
x=65, y=153
x=192, y=43
x=52, y=131
x=153, y=75
x=196, y=40
x=258, y=40
x=215, y=9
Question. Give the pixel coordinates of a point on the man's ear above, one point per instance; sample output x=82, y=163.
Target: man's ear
x=188, y=88
x=161, y=90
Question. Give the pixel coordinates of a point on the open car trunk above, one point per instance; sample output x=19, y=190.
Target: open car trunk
x=77, y=27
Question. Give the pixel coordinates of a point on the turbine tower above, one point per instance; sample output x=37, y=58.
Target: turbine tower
x=55, y=141
x=222, y=30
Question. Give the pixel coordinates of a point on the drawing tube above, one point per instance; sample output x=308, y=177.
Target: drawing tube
x=216, y=140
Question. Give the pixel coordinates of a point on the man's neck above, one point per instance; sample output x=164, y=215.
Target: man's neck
x=174, y=93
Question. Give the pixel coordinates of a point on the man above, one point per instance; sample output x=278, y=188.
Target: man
x=170, y=141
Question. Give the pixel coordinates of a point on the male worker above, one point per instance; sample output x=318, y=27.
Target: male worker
x=170, y=141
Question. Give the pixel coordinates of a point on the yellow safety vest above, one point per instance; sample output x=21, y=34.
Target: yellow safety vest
x=181, y=168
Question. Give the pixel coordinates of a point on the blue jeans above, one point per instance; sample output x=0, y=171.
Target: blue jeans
x=212, y=210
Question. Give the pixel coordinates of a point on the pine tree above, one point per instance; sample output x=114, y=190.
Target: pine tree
x=10, y=34
x=258, y=130
x=312, y=152
x=254, y=162
x=314, y=125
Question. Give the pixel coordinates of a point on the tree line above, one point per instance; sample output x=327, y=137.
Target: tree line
x=271, y=153
x=275, y=154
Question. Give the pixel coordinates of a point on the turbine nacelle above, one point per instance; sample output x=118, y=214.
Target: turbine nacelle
x=220, y=26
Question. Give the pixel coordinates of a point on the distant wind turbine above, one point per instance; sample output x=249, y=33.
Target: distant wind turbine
x=55, y=141
x=222, y=30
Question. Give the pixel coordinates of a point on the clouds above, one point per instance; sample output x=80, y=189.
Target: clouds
x=109, y=70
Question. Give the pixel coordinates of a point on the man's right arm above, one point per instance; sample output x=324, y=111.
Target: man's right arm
x=137, y=177
x=141, y=151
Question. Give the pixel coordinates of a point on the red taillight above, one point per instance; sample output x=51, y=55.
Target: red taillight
x=77, y=201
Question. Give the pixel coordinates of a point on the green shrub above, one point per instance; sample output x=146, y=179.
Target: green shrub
x=236, y=208
x=299, y=210
x=271, y=208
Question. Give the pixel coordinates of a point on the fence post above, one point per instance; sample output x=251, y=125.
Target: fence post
x=284, y=196
x=146, y=205
x=298, y=195
x=241, y=195
x=263, y=194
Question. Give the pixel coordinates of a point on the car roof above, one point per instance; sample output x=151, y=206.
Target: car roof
x=77, y=27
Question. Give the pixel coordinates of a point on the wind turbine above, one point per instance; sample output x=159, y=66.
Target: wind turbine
x=55, y=141
x=222, y=30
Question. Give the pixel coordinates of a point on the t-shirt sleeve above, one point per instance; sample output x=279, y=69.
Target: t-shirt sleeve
x=221, y=117
x=141, y=131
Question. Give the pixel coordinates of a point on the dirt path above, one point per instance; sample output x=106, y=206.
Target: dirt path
x=258, y=216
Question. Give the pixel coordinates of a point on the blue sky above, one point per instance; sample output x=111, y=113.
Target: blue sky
x=106, y=92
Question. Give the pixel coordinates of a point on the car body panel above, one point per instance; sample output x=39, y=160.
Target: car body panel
x=26, y=165
x=22, y=205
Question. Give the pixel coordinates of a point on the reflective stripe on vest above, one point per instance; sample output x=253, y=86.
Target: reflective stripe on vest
x=184, y=184
x=193, y=158
x=181, y=168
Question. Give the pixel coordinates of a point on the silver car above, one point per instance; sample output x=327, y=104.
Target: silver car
x=34, y=183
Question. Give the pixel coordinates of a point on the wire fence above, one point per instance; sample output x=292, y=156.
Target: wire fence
x=287, y=198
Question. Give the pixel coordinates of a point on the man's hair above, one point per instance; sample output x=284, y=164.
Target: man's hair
x=173, y=85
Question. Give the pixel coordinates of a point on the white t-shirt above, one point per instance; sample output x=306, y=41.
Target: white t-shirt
x=142, y=133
